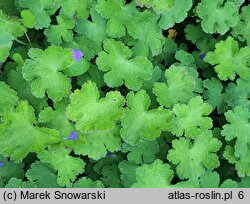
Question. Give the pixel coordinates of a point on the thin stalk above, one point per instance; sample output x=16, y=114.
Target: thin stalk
x=26, y=35
x=21, y=42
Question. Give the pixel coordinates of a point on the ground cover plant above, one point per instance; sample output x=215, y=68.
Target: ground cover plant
x=116, y=93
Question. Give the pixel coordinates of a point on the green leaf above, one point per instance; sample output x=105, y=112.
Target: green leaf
x=93, y=74
x=120, y=68
x=44, y=70
x=193, y=158
x=158, y=6
x=245, y=182
x=163, y=141
x=143, y=152
x=68, y=167
x=97, y=144
x=87, y=183
x=191, y=119
x=11, y=28
x=18, y=183
x=168, y=52
x=185, y=58
x=185, y=74
x=41, y=10
x=128, y=173
x=179, y=87
x=157, y=75
x=151, y=39
x=8, y=98
x=62, y=32
x=242, y=164
x=225, y=15
x=212, y=180
x=9, y=7
x=214, y=94
x=75, y=8
x=155, y=175
x=42, y=175
x=10, y=169
x=17, y=82
x=19, y=133
x=238, y=129
x=78, y=68
x=5, y=45
x=187, y=184
x=158, y=175
x=56, y=119
x=28, y=19
x=107, y=161
x=122, y=18
x=11, y=25
x=176, y=14
x=111, y=176
x=139, y=123
x=241, y=30
x=229, y=183
x=92, y=113
x=238, y=3
x=187, y=62
x=83, y=44
x=229, y=154
x=94, y=31
x=238, y=94
x=203, y=41
x=228, y=59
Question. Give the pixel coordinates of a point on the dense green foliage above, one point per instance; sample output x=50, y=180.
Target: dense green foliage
x=116, y=93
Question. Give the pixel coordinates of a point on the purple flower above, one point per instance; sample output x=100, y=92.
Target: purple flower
x=72, y=136
x=1, y=164
x=77, y=55
x=110, y=154
x=236, y=76
x=202, y=56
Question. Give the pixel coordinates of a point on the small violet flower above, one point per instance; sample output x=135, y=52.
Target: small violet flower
x=1, y=164
x=110, y=154
x=236, y=76
x=202, y=56
x=77, y=55
x=72, y=136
